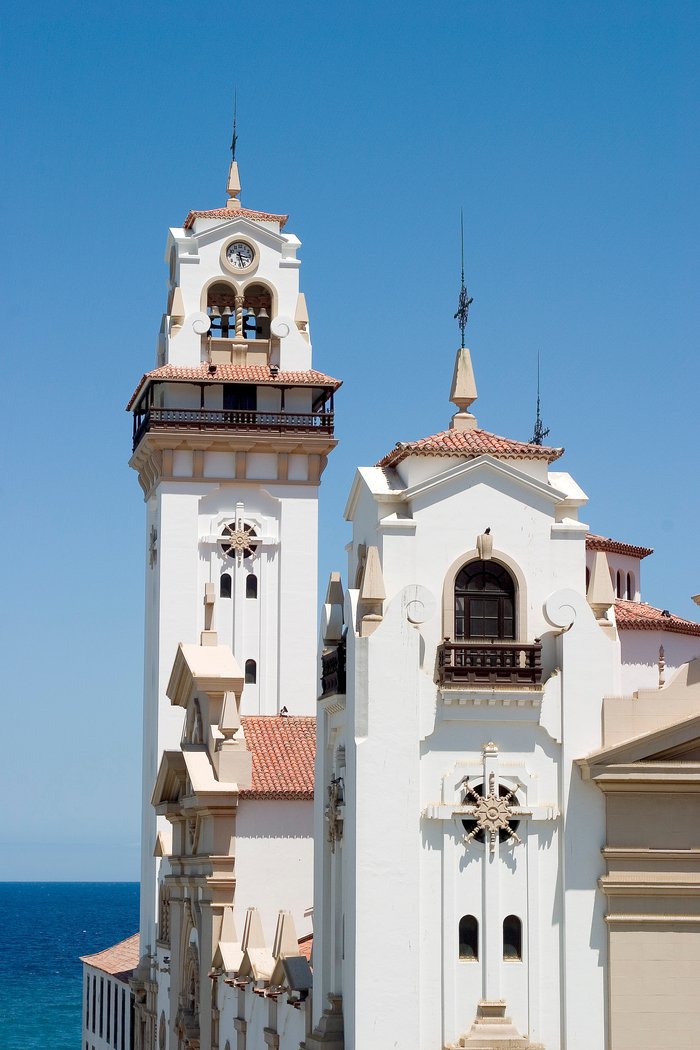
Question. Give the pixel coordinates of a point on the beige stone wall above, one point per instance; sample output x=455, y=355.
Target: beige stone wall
x=655, y=986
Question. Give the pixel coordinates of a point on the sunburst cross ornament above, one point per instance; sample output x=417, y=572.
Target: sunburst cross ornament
x=238, y=540
x=493, y=813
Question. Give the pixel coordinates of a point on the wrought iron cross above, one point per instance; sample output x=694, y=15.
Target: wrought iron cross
x=464, y=302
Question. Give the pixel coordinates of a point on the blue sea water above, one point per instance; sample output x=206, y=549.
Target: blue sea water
x=46, y=927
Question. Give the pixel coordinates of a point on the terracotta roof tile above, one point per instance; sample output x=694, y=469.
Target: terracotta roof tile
x=284, y=748
x=604, y=543
x=638, y=616
x=235, y=213
x=468, y=444
x=119, y=960
x=306, y=945
x=259, y=374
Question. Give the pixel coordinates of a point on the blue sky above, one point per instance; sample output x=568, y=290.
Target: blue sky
x=567, y=131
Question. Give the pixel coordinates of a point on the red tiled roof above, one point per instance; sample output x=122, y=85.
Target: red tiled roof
x=468, y=444
x=235, y=213
x=284, y=748
x=638, y=616
x=119, y=960
x=305, y=945
x=259, y=374
x=604, y=543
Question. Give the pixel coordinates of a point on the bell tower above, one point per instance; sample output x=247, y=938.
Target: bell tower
x=231, y=433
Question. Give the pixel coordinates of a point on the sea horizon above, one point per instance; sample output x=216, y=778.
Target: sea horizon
x=48, y=925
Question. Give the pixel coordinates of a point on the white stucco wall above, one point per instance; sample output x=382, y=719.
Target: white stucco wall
x=274, y=862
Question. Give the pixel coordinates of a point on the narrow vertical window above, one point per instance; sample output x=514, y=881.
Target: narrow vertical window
x=469, y=939
x=588, y=579
x=619, y=584
x=123, y=1018
x=102, y=1000
x=630, y=586
x=225, y=585
x=109, y=1010
x=94, y=1002
x=512, y=938
x=251, y=672
x=251, y=586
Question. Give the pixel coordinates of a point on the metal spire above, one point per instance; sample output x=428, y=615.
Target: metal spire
x=234, y=137
x=464, y=302
x=540, y=432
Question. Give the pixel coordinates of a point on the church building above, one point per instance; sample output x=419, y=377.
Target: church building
x=465, y=812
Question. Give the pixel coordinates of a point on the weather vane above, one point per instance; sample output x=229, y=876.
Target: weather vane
x=540, y=432
x=464, y=302
x=234, y=137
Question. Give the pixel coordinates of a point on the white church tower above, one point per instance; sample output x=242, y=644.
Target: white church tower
x=231, y=434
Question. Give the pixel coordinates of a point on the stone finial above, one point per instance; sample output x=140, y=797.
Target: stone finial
x=662, y=667
x=233, y=186
x=463, y=391
x=301, y=315
x=177, y=307
x=253, y=936
x=333, y=609
x=372, y=594
x=600, y=594
x=286, y=941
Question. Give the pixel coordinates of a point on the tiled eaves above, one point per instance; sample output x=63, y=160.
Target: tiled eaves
x=468, y=444
x=638, y=616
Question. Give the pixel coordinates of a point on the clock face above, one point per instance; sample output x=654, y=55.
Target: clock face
x=239, y=255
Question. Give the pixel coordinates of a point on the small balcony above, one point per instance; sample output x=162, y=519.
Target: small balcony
x=333, y=671
x=489, y=664
x=158, y=419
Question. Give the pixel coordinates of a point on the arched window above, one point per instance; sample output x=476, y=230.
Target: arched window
x=630, y=586
x=484, y=602
x=588, y=579
x=251, y=586
x=225, y=585
x=618, y=588
x=512, y=938
x=251, y=672
x=469, y=938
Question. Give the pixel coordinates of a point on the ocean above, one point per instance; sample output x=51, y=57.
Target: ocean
x=46, y=927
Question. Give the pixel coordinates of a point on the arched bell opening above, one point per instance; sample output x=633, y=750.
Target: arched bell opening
x=257, y=311
x=221, y=308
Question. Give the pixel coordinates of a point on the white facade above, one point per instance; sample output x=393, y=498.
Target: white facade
x=455, y=855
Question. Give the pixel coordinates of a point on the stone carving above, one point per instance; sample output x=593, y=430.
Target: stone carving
x=493, y=813
x=333, y=811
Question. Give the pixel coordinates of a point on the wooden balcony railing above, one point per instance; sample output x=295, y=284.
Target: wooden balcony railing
x=231, y=419
x=486, y=663
x=333, y=671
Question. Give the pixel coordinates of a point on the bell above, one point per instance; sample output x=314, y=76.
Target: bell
x=263, y=313
x=226, y=312
x=213, y=311
x=251, y=313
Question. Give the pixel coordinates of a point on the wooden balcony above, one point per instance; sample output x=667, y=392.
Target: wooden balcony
x=231, y=419
x=489, y=664
x=333, y=671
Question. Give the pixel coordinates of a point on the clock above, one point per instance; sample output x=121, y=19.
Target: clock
x=239, y=255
